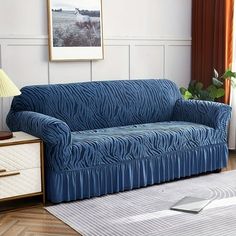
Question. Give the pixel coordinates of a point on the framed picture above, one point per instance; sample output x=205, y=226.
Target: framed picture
x=75, y=30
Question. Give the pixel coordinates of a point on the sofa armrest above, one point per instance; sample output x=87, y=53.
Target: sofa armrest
x=55, y=133
x=212, y=114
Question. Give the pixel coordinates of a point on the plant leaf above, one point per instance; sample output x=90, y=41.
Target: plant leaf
x=182, y=90
x=220, y=93
x=212, y=91
x=191, y=86
x=204, y=95
x=199, y=86
x=215, y=92
x=211, y=87
x=217, y=82
x=187, y=95
x=216, y=75
x=228, y=73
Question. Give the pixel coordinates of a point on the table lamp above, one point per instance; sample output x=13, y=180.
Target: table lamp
x=7, y=89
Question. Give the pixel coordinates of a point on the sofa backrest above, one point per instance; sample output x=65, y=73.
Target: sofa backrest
x=94, y=105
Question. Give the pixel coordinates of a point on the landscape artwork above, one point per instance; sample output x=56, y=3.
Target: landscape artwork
x=75, y=29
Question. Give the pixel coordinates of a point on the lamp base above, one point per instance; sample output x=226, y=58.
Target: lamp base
x=5, y=135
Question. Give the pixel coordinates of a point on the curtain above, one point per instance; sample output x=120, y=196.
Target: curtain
x=232, y=125
x=229, y=43
x=212, y=27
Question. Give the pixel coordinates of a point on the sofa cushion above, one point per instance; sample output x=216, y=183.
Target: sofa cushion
x=97, y=105
x=114, y=145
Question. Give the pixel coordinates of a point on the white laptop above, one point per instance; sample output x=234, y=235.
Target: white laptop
x=191, y=204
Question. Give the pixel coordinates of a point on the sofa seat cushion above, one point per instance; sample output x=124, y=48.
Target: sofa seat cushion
x=113, y=145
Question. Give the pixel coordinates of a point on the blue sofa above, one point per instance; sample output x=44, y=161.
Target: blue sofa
x=107, y=137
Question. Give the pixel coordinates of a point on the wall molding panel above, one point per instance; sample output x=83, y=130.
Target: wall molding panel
x=132, y=44
x=25, y=59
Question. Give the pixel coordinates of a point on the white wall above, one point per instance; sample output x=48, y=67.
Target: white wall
x=143, y=39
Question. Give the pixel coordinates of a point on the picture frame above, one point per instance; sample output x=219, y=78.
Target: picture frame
x=75, y=30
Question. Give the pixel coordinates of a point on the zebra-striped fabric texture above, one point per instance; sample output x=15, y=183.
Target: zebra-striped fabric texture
x=106, y=137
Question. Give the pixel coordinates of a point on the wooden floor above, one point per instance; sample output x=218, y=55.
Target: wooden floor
x=31, y=222
x=232, y=161
x=35, y=221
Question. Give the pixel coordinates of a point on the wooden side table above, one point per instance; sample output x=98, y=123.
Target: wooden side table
x=21, y=167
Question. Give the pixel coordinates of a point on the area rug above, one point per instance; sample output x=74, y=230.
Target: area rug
x=145, y=212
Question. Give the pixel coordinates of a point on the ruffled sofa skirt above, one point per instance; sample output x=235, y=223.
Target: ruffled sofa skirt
x=131, y=174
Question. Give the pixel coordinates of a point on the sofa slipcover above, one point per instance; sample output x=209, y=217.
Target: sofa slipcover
x=106, y=137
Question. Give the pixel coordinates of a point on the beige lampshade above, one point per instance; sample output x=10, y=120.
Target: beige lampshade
x=7, y=87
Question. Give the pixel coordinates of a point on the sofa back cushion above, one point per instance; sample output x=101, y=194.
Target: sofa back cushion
x=94, y=105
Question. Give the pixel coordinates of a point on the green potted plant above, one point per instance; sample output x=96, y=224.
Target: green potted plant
x=213, y=92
